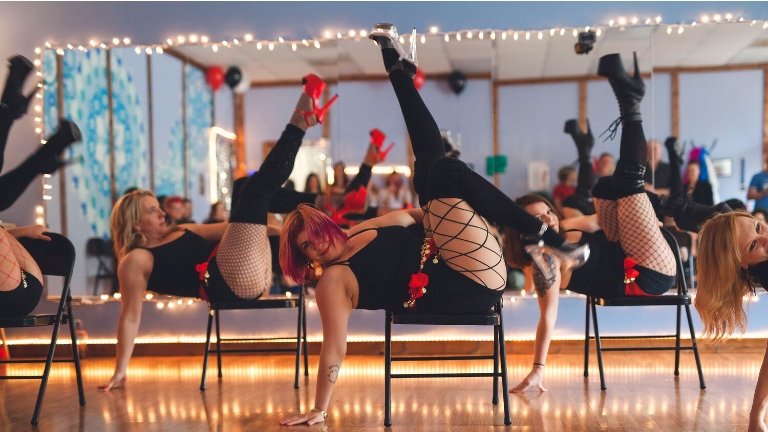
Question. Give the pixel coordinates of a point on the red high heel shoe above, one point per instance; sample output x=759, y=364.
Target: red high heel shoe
x=314, y=87
x=377, y=139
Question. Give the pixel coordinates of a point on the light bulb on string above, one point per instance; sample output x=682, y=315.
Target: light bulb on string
x=248, y=37
x=271, y=46
x=680, y=30
x=317, y=44
x=541, y=36
x=515, y=36
x=527, y=35
x=193, y=38
x=562, y=31
x=293, y=47
x=610, y=23
x=280, y=39
x=552, y=32
x=169, y=41
x=258, y=45
x=352, y=33
x=126, y=41
x=215, y=48
x=446, y=38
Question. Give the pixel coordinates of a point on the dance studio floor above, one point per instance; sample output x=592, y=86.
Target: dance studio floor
x=257, y=391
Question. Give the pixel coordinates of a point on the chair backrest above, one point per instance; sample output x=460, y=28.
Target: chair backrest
x=682, y=287
x=55, y=257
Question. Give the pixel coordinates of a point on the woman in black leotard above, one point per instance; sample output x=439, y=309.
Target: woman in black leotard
x=20, y=279
x=232, y=260
x=733, y=259
x=629, y=229
x=438, y=258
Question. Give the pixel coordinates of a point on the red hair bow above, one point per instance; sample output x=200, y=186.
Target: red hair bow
x=631, y=288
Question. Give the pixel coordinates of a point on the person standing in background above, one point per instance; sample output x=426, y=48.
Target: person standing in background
x=758, y=187
x=657, y=173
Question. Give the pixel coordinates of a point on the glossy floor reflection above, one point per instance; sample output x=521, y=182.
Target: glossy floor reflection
x=256, y=392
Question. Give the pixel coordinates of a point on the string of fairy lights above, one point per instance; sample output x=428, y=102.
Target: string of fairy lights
x=330, y=36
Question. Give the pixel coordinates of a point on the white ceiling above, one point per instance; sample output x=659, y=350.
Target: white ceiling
x=722, y=44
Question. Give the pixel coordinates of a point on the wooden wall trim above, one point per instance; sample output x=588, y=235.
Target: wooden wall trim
x=675, y=100
x=583, y=104
x=495, y=111
x=765, y=111
x=184, y=139
x=240, y=169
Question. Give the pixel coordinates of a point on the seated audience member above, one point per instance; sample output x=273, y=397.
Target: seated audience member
x=566, y=187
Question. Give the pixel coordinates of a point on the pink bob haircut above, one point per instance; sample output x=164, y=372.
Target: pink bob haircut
x=319, y=227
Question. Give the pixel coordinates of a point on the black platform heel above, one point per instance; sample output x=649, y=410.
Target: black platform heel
x=13, y=103
x=629, y=91
x=688, y=215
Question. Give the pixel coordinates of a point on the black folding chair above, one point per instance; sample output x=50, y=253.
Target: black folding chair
x=55, y=258
x=679, y=299
x=268, y=302
x=491, y=318
x=104, y=253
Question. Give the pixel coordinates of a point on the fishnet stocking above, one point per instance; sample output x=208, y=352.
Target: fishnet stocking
x=245, y=259
x=608, y=217
x=641, y=239
x=13, y=259
x=464, y=241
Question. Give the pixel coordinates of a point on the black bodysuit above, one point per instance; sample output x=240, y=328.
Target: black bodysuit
x=173, y=271
x=384, y=267
x=603, y=274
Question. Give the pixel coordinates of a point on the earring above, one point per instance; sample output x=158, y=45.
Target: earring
x=310, y=265
x=750, y=283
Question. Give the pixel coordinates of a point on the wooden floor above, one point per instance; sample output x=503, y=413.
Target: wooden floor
x=256, y=392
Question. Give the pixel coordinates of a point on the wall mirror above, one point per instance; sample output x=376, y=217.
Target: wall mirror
x=146, y=112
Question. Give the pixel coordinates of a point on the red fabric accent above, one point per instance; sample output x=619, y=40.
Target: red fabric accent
x=563, y=191
x=630, y=274
x=202, y=268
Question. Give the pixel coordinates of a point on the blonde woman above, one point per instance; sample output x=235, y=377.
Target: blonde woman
x=232, y=260
x=733, y=255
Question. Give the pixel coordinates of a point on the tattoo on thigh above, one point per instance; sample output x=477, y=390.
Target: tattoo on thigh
x=543, y=281
x=333, y=373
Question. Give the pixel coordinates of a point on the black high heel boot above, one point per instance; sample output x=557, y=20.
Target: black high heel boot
x=688, y=215
x=49, y=155
x=13, y=103
x=629, y=91
x=673, y=150
x=386, y=36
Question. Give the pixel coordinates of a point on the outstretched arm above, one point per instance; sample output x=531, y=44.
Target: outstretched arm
x=760, y=401
x=548, y=292
x=335, y=305
x=132, y=273
x=395, y=218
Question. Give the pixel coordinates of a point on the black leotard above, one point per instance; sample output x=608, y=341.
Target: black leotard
x=173, y=271
x=384, y=267
x=603, y=274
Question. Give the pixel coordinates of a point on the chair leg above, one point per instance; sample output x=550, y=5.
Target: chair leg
x=96, y=279
x=586, y=339
x=503, y=353
x=677, y=344
x=495, y=398
x=598, y=347
x=47, y=371
x=76, y=355
x=207, y=350
x=695, y=347
x=388, y=369
x=218, y=339
x=299, y=327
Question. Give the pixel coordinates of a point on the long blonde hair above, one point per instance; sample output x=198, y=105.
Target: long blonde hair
x=722, y=280
x=125, y=214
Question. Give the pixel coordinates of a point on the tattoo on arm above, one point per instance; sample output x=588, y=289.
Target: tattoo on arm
x=544, y=281
x=333, y=373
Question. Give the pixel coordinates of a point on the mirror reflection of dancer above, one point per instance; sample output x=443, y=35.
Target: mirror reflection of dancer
x=440, y=258
x=733, y=258
x=20, y=278
x=232, y=259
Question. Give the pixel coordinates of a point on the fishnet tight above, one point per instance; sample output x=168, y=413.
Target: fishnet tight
x=464, y=241
x=245, y=259
x=632, y=221
x=13, y=259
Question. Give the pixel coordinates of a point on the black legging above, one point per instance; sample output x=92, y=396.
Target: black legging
x=438, y=176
